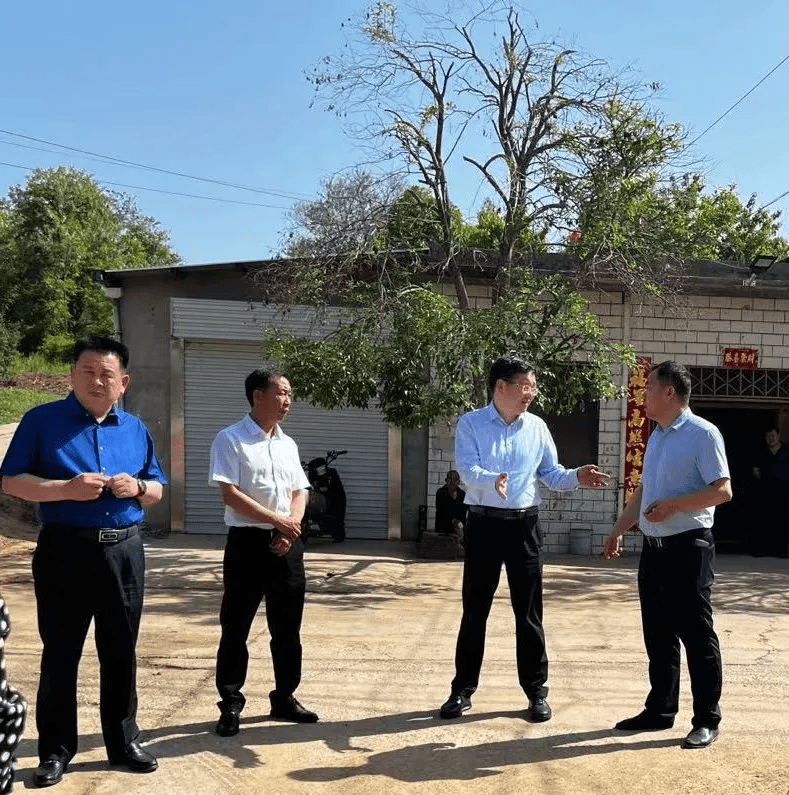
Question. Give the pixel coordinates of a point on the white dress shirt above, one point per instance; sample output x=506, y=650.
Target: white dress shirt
x=266, y=468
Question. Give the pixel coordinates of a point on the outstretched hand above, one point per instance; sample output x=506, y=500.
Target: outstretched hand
x=590, y=476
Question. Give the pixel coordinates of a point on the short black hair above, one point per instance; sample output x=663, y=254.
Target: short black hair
x=507, y=367
x=259, y=379
x=671, y=373
x=100, y=344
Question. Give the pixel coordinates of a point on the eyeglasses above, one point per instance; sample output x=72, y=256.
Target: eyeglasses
x=526, y=388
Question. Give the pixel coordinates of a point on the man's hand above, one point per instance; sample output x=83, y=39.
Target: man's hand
x=501, y=485
x=590, y=476
x=289, y=527
x=659, y=510
x=123, y=485
x=86, y=486
x=612, y=548
x=280, y=545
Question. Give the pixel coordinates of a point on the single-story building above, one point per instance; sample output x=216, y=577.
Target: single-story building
x=194, y=332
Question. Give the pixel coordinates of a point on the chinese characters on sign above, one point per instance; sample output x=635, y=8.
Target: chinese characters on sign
x=741, y=357
x=637, y=425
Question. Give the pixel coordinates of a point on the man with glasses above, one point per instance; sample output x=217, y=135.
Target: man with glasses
x=502, y=452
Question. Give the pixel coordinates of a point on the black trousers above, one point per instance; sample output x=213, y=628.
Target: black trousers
x=251, y=572
x=77, y=579
x=674, y=586
x=517, y=544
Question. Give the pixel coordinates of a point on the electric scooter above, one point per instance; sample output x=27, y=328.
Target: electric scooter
x=325, y=512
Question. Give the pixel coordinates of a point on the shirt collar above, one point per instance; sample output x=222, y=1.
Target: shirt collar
x=679, y=420
x=253, y=428
x=494, y=416
x=113, y=417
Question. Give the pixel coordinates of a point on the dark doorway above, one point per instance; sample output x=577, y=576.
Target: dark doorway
x=743, y=429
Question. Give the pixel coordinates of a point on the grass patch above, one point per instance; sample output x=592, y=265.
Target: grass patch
x=37, y=363
x=15, y=402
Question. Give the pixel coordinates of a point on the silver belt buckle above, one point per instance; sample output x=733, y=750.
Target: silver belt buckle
x=108, y=536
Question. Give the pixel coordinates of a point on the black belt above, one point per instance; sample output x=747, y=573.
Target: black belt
x=664, y=542
x=503, y=513
x=102, y=535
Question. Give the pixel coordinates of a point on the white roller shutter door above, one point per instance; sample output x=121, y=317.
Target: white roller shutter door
x=214, y=374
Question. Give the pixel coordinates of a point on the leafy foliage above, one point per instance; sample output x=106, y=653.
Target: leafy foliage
x=60, y=228
x=422, y=358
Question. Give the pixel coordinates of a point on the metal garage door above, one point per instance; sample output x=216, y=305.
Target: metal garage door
x=214, y=374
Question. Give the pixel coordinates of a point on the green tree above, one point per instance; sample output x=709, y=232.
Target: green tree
x=422, y=359
x=635, y=219
x=62, y=227
x=9, y=332
x=568, y=149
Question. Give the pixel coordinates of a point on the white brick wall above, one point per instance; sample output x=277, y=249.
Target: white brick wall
x=696, y=337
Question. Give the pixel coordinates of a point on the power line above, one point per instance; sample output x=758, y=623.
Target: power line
x=133, y=164
x=170, y=192
x=726, y=113
x=777, y=198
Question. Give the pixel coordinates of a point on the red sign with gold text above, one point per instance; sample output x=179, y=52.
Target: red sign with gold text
x=636, y=425
x=741, y=357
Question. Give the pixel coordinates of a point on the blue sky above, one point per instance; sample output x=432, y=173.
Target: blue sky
x=217, y=90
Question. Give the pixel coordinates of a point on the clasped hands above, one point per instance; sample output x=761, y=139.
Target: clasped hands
x=89, y=486
x=287, y=531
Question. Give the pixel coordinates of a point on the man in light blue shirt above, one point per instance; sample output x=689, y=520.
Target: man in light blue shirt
x=685, y=476
x=502, y=451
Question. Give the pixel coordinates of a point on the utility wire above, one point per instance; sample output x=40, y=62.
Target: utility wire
x=726, y=113
x=169, y=192
x=777, y=198
x=132, y=164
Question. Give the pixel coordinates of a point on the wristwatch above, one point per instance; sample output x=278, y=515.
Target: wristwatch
x=142, y=487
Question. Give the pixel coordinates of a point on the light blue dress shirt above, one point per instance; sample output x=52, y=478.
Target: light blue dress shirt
x=687, y=456
x=486, y=445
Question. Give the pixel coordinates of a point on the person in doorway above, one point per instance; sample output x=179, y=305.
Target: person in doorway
x=503, y=452
x=264, y=490
x=771, y=533
x=685, y=476
x=93, y=469
x=450, y=506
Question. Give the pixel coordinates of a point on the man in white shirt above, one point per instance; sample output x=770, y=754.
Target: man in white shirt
x=264, y=489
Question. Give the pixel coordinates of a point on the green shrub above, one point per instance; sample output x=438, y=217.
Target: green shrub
x=57, y=348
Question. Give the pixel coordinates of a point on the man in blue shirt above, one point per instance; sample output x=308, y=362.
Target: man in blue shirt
x=92, y=468
x=502, y=452
x=685, y=476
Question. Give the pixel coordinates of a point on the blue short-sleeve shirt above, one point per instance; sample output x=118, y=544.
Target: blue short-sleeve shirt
x=685, y=456
x=60, y=440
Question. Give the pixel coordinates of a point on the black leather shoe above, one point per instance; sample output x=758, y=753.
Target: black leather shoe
x=49, y=772
x=455, y=705
x=645, y=722
x=228, y=724
x=135, y=758
x=290, y=709
x=700, y=737
x=539, y=710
